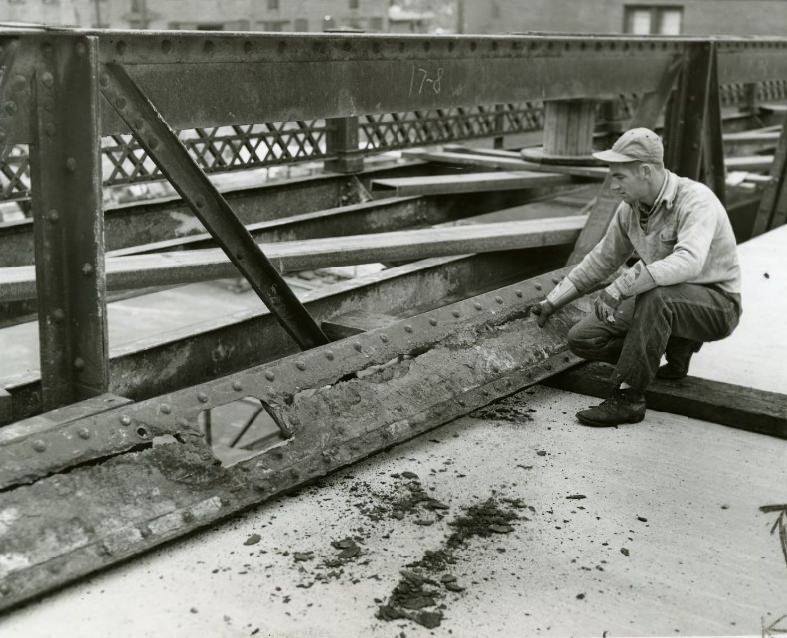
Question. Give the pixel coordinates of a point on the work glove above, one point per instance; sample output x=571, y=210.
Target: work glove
x=564, y=292
x=606, y=304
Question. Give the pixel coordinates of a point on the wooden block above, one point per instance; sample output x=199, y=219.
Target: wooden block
x=6, y=406
x=736, y=406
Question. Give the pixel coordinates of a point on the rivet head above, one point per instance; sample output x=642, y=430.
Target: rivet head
x=408, y=328
x=187, y=516
x=518, y=293
x=566, y=358
x=47, y=79
x=384, y=338
x=80, y=48
x=202, y=396
x=166, y=46
x=300, y=365
x=83, y=433
x=71, y=164
x=125, y=419
x=138, y=124
x=477, y=306
x=104, y=80
x=165, y=408
x=329, y=355
x=555, y=280
x=5, y=589
x=538, y=286
x=50, y=129
x=10, y=107
x=432, y=321
x=58, y=314
x=153, y=143
x=295, y=473
x=121, y=102
x=79, y=363
x=456, y=313
x=87, y=269
x=499, y=300
x=199, y=202
x=39, y=446
x=53, y=215
x=121, y=47
x=237, y=386
x=269, y=375
x=357, y=345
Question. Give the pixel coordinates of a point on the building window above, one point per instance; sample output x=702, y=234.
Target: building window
x=375, y=24
x=653, y=20
x=301, y=25
x=355, y=4
x=273, y=5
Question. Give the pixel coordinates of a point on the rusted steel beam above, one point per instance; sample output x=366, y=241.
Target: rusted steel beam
x=714, y=171
x=685, y=122
x=69, y=240
x=172, y=268
x=334, y=404
x=190, y=356
x=207, y=203
x=732, y=405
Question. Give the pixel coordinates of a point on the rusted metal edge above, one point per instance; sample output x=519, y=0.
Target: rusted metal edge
x=416, y=374
x=28, y=457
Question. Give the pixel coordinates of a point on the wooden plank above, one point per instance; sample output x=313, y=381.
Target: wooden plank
x=732, y=405
x=771, y=193
x=465, y=183
x=504, y=162
x=749, y=163
x=199, y=265
x=647, y=114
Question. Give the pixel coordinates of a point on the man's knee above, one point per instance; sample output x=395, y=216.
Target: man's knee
x=583, y=343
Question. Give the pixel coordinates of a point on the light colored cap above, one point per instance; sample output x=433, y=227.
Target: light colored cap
x=635, y=145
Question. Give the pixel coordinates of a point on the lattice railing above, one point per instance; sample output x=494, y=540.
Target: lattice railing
x=244, y=146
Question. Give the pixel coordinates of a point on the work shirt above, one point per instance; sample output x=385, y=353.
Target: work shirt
x=685, y=237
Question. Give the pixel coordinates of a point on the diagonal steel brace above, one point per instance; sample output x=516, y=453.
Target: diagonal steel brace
x=188, y=179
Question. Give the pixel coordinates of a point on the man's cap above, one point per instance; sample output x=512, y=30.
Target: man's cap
x=635, y=145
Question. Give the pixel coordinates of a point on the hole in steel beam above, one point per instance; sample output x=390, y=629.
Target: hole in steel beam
x=240, y=430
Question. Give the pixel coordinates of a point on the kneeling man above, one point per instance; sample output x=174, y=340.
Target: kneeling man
x=683, y=289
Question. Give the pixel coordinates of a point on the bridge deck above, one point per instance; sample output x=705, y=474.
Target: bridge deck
x=703, y=561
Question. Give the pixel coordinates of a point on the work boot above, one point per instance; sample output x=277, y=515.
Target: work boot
x=624, y=406
x=678, y=353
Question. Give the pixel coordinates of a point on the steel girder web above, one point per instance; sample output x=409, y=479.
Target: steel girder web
x=334, y=405
x=161, y=143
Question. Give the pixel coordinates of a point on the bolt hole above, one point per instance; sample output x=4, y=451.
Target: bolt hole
x=143, y=432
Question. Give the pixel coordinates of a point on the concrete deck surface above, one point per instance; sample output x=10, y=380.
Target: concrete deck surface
x=702, y=562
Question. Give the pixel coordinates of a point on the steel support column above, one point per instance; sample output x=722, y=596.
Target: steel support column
x=714, y=172
x=686, y=117
x=161, y=143
x=68, y=229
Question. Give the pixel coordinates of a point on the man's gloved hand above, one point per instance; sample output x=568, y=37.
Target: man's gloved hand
x=607, y=303
x=543, y=310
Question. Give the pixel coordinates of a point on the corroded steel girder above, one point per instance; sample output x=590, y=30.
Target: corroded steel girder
x=335, y=404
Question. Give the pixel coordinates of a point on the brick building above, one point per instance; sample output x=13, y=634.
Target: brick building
x=226, y=15
x=668, y=17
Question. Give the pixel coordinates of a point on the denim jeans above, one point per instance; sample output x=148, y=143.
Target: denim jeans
x=650, y=324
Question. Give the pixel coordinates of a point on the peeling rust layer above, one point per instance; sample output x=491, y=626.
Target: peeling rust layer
x=339, y=403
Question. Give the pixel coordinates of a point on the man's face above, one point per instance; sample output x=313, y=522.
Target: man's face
x=630, y=181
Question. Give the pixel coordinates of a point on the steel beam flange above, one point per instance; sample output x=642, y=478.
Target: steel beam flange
x=275, y=383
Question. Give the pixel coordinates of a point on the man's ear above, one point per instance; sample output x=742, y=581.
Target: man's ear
x=645, y=171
